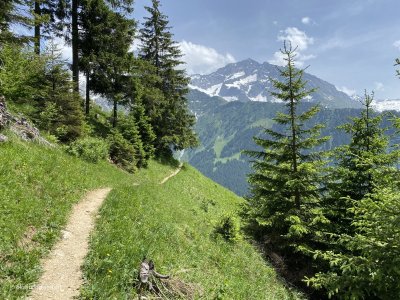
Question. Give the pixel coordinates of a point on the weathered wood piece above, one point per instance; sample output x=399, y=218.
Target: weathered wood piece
x=147, y=275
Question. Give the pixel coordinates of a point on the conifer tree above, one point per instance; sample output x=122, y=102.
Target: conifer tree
x=284, y=208
x=9, y=15
x=361, y=240
x=68, y=123
x=351, y=178
x=110, y=68
x=92, y=40
x=48, y=19
x=173, y=123
x=137, y=111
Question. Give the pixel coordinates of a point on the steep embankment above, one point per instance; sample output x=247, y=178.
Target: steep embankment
x=171, y=223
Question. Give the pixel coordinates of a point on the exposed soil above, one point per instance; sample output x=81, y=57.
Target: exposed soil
x=172, y=174
x=62, y=275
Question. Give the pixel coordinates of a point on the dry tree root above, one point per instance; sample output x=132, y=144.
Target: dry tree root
x=162, y=286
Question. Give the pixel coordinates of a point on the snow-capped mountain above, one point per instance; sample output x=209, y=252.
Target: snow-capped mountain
x=249, y=80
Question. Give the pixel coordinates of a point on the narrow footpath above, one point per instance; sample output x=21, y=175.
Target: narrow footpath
x=62, y=275
x=172, y=174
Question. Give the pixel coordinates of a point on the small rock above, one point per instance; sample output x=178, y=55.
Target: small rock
x=3, y=138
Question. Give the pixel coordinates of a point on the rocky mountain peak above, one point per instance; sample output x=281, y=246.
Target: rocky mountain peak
x=249, y=80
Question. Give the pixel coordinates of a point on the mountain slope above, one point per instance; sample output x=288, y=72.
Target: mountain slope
x=249, y=80
x=173, y=224
x=170, y=223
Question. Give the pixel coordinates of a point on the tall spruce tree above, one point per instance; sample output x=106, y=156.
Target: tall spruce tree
x=173, y=124
x=92, y=40
x=284, y=209
x=48, y=19
x=105, y=44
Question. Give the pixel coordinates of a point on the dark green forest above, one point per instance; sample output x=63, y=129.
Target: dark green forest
x=146, y=90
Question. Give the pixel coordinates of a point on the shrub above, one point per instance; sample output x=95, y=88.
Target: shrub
x=229, y=228
x=122, y=153
x=90, y=149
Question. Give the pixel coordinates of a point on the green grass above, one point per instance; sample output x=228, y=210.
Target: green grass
x=173, y=224
x=38, y=187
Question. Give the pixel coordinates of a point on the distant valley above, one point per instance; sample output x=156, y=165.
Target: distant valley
x=233, y=104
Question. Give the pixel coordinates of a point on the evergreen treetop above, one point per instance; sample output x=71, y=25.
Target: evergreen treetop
x=285, y=205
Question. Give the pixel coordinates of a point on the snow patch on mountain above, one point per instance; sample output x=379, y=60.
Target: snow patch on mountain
x=236, y=75
x=231, y=98
x=211, y=91
x=260, y=98
x=243, y=81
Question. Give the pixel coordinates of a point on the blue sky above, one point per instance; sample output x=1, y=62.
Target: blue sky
x=349, y=43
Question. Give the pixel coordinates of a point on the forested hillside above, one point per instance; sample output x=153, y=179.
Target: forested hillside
x=225, y=129
x=146, y=91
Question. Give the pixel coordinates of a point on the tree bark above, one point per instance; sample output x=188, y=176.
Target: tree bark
x=87, y=106
x=114, y=123
x=75, y=39
x=37, y=36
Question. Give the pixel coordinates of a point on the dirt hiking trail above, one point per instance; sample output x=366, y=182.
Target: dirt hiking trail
x=62, y=275
x=172, y=174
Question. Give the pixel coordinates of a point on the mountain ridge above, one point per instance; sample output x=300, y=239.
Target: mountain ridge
x=249, y=80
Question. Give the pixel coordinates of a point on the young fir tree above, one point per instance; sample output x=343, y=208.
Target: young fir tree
x=362, y=238
x=173, y=123
x=137, y=112
x=284, y=209
x=351, y=178
x=68, y=121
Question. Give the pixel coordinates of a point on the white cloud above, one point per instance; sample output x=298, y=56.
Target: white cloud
x=397, y=44
x=298, y=39
x=200, y=59
x=64, y=49
x=379, y=86
x=346, y=90
x=306, y=20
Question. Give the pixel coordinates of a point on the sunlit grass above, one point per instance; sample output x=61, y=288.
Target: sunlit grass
x=173, y=224
x=38, y=187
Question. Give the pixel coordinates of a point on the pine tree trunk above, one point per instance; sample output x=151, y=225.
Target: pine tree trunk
x=114, y=124
x=294, y=135
x=75, y=38
x=37, y=27
x=87, y=106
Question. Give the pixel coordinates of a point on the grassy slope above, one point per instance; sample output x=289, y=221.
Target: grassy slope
x=173, y=224
x=38, y=187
